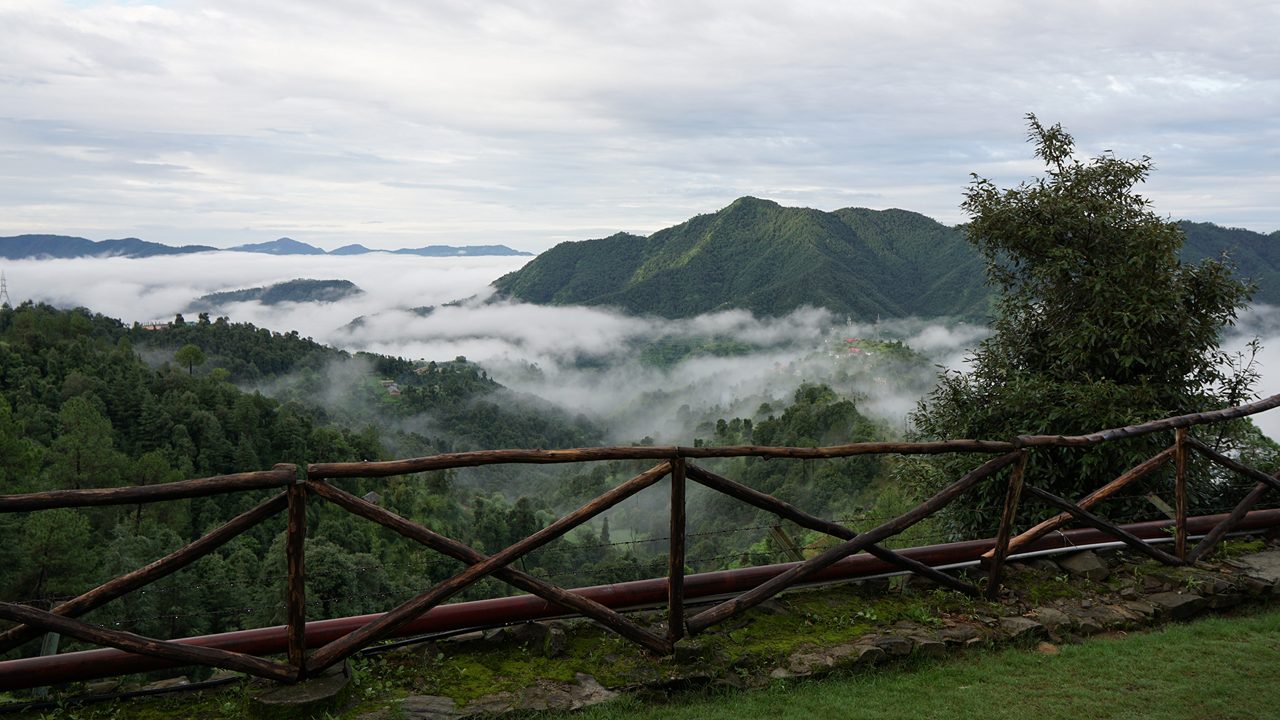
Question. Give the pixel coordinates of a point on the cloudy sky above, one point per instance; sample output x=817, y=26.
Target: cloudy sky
x=527, y=123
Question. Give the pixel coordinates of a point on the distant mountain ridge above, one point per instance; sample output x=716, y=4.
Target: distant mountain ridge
x=760, y=256
x=280, y=246
x=18, y=247
x=22, y=247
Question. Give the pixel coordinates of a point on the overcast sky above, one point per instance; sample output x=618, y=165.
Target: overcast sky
x=407, y=123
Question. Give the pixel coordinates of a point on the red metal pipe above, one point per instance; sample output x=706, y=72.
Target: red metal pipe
x=90, y=664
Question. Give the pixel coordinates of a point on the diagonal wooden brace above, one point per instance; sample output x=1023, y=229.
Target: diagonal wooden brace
x=387, y=623
x=1208, y=542
x=447, y=546
x=1230, y=464
x=788, y=511
x=1093, y=498
x=130, y=642
x=1089, y=518
x=798, y=573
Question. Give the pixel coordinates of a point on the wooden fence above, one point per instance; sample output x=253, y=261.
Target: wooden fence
x=674, y=462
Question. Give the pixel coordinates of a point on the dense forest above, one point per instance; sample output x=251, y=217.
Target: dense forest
x=86, y=401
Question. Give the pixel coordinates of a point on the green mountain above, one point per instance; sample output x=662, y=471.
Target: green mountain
x=297, y=290
x=758, y=255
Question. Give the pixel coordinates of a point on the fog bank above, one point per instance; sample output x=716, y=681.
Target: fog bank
x=596, y=361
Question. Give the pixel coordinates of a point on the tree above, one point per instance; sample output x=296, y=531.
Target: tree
x=1098, y=324
x=21, y=455
x=189, y=355
x=83, y=454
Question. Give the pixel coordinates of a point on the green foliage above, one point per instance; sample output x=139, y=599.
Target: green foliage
x=669, y=351
x=1099, y=323
x=249, y=354
x=190, y=356
x=83, y=455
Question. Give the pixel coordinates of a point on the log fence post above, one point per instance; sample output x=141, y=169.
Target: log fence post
x=1007, y=518
x=295, y=543
x=675, y=556
x=1180, y=494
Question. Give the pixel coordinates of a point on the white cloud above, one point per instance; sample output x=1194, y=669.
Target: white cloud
x=527, y=123
x=158, y=287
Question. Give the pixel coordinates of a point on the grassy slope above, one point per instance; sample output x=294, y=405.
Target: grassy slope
x=1221, y=668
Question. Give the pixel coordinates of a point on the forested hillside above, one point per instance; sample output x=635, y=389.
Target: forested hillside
x=758, y=255
x=1256, y=256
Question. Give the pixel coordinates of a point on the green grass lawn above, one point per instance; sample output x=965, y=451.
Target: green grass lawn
x=1213, y=669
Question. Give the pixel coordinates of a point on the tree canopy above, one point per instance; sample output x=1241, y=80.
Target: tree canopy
x=1098, y=323
x=191, y=356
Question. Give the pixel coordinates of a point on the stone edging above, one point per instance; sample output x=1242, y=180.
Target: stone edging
x=1118, y=592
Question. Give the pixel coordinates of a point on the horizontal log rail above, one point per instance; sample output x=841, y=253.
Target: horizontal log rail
x=387, y=468
x=278, y=477
x=674, y=463
x=1172, y=423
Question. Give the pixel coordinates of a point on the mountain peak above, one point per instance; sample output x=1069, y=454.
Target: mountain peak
x=280, y=246
x=353, y=249
x=750, y=201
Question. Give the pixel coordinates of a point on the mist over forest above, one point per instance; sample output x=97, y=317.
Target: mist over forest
x=632, y=374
